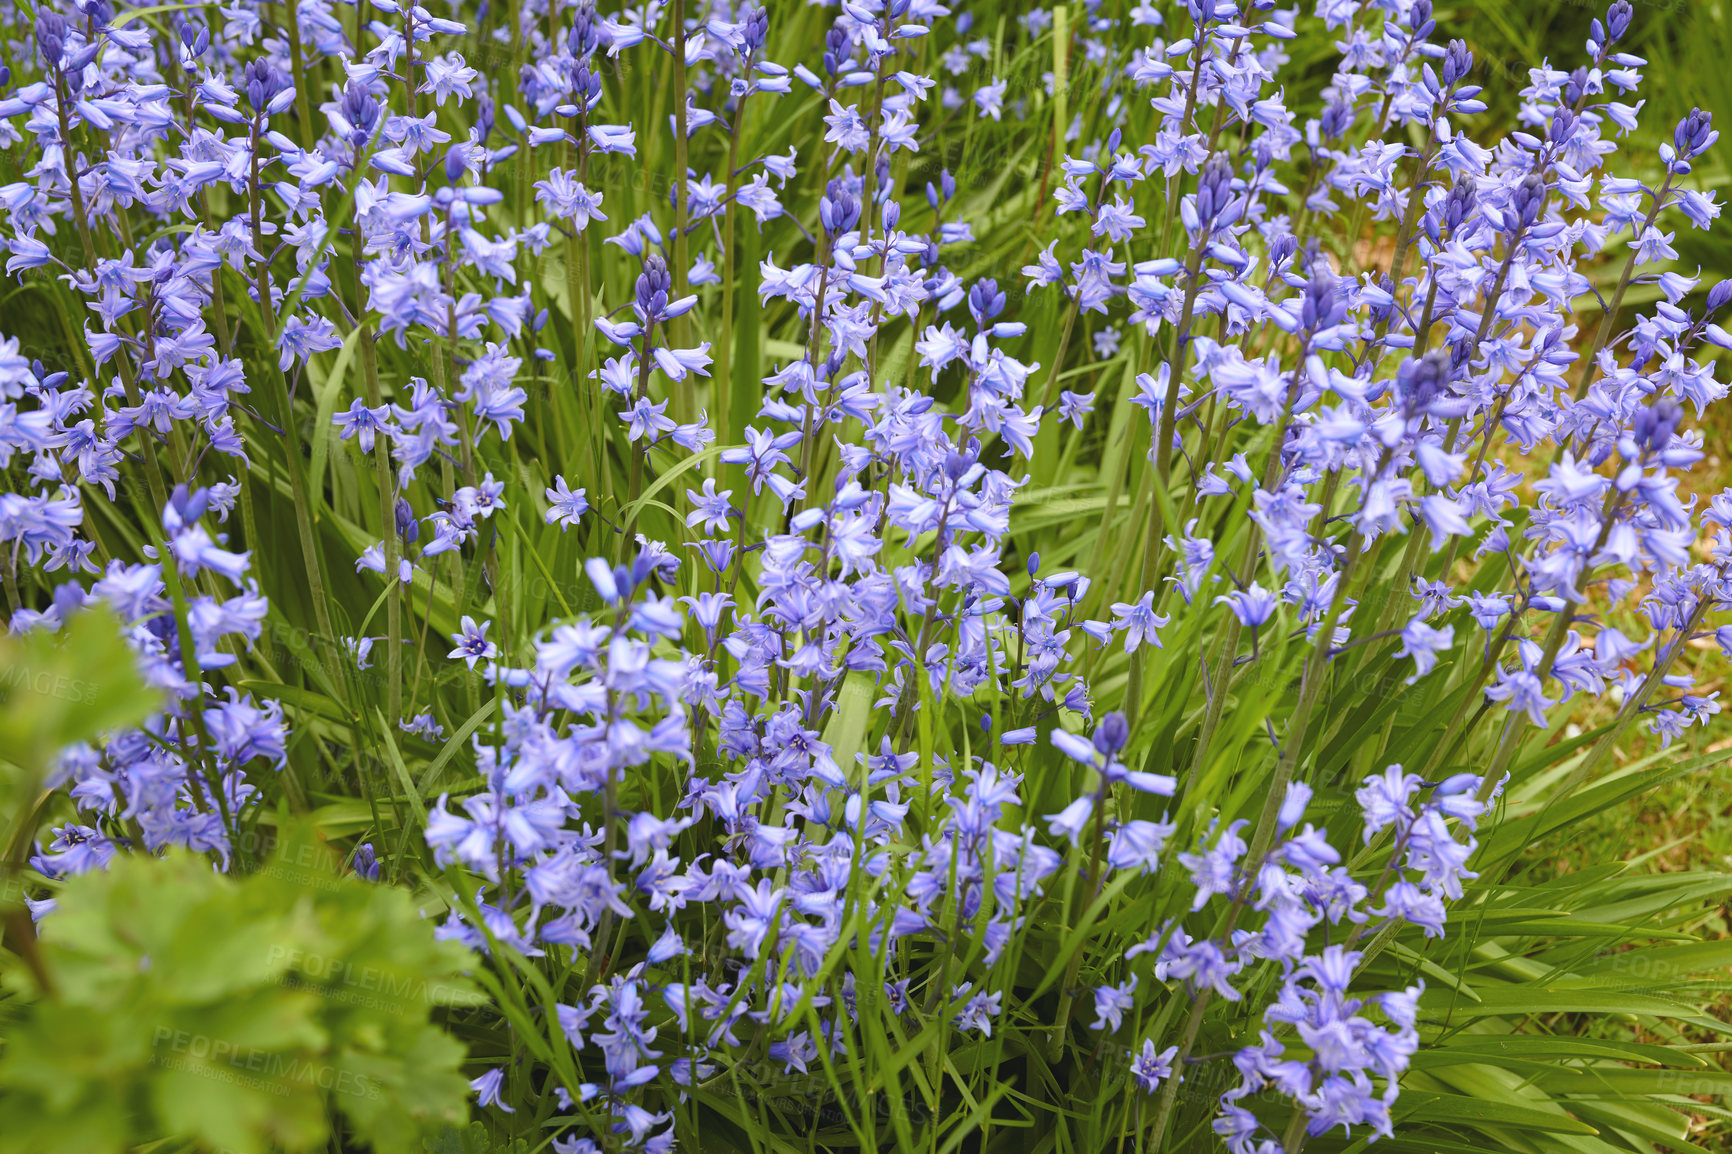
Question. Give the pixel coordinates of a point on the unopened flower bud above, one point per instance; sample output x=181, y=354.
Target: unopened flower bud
x=1695, y=134
x=408, y=526
x=1337, y=119
x=1527, y=202
x=1457, y=61
x=985, y=301
x=839, y=209
x=1618, y=18
x=1459, y=204
x=1653, y=425
x=755, y=29
x=1112, y=733
x=1420, y=380
x=653, y=286
x=1719, y=295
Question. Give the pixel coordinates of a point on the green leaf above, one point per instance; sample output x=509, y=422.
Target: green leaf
x=1456, y=1109
x=417, y=807
x=846, y=732
x=1524, y=1000
x=1554, y=1048
x=68, y=687
x=1666, y=1127
x=474, y=1140
x=457, y=741
x=58, y=690
x=324, y=431
x=157, y=9
x=241, y=1013
x=1665, y=964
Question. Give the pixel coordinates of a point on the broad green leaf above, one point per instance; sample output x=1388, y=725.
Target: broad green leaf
x=1456, y=1109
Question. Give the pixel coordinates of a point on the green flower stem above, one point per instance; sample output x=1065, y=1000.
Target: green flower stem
x=1554, y=642
x=685, y=403
x=721, y=398
x=284, y=407
x=1610, y=316
x=387, y=502
x=1310, y=688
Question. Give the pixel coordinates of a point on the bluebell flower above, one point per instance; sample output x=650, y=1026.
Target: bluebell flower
x=1139, y=622
x=487, y=1089
x=471, y=642
x=1111, y=1002
x=366, y=863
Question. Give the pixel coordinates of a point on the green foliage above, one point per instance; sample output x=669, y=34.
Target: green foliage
x=474, y=1140
x=58, y=689
x=247, y=1015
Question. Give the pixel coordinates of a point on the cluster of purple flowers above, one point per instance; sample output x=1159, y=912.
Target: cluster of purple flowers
x=182, y=779
x=721, y=798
